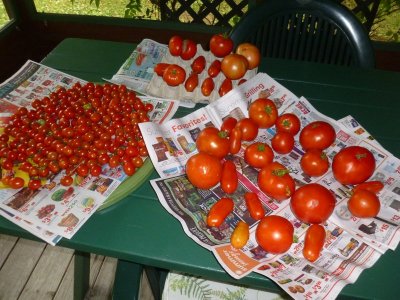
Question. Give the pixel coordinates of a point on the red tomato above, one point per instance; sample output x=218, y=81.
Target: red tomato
x=364, y=204
x=353, y=165
x=175, y=45
x=288, y=122
x=254, y=205
x=160, y=68
x=275, y=234
x=225, y=87
x=16, y=182
x=213, y=142
x=198, y=64
x=312, y=203
x=317, y=135
x=204, y=170
x=282, y=142
x=34, y=184
x=249, y=129
x=229, y=178
x=258, y=155
x=263, y=111
x=228, y=124
x=66, y=180
x=314, y=163
x=219, y=211
x=374, y=186
x=192, y=82
x=274, y=180
x=207, y=86
x=240, y=235
x=189, y=49
x=214, y=68
x=251, y=53
x=235, y=140
x=234, y=66
x=221, y=45
x=314, y=242
x=174, y=75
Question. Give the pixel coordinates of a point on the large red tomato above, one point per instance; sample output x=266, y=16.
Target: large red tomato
x=274, y=180
x=249, y=129
x=317, y=135
x=251, y=52
x=288, y=122
x=174, y=75
x=258, y=155
x=204, y=170
x=221, y=45
x=314, y=162
x=234, y=66
x=353, y=165
x=175, y=45
x=263, y=111
x=274, y=234
x=213, y=142
x=364, y=204
x=282, y=142
x=312, y=203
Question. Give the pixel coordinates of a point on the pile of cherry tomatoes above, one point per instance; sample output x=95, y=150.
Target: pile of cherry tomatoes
x=77, y=130
x=233, y=65
x=311, y=203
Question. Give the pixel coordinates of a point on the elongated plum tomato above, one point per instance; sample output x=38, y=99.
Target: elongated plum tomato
x=204, y=170
x=312, y=203
x=275, y=234
x=314, y=242
x=240, y=235
x=219, y=211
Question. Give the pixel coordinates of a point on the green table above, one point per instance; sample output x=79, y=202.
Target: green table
x=139, y=230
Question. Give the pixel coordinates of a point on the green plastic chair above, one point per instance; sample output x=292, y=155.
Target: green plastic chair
x=316, y=31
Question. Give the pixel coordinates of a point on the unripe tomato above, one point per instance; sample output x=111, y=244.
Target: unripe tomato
x=251, y=53
x=234, y=66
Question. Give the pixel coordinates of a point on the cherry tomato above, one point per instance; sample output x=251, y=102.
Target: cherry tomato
x=229, y=178
x=364, y=204
x=274, y=180
x=207, y=86
x=288, y=122
x=214, y=68
x=314, y=163
x=249, y=129
x=374, y=186
x=34, y=184
x=317, y=135
x=213, y=142
x=66, y=180
x=282, y=142
x=234, y=66
x=251, y=53
x=198, y=64
x=129, y=168
x=254, y=205
x=353, y=165
x=314, y=242
x=274, y=234
x=258, y=155
x=160, y=68
x=235, y=140
x=16, y=182
x=204, y=170
x=192, y=82
x=225, y=87
x=264, y=112
x=221, y=45
x=189, y=49
x=82, y=170
x=174, y=75
x=228, y=124
x=240, y=235
x=312, y=203
x=175, y=45
x=219, y=211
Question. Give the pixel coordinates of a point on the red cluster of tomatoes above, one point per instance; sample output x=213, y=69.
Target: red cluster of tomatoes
x=233, y=65
x=311, y=203
x=77, y=130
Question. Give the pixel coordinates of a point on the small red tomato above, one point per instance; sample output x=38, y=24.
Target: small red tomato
x=192, y=82
x=66, y=180
x=282, y=142
x=229, y=178
x=249, y=129
x=317, y=135
x=235, y=140
x=207, y=86
x=198, y=64
x=364, y=204
x=314, y=162
x=219, y=211
x=175, y=45
x=254, y=205
x=225, y=87
x=228, y=124
x=374, y=186
x=204, y=170
x=258, y=155
x=221, y=45
x=34, y=184
x=160, y=68
x=189, y=49
x=240, y=235
x=214, y=68
x=263, y=111
x=288, y=122
x=174, y=75
x=129, y=168
x=16, y=182
x=314, y=242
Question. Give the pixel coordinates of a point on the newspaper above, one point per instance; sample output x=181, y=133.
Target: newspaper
x=352, y=244
x=55, y=211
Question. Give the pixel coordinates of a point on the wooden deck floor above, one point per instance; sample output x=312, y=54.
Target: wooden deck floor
x=35, y=270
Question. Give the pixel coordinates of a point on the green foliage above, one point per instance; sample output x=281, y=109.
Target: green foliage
x=4, y=18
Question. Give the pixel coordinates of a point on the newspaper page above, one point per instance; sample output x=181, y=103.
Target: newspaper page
x=352, y=244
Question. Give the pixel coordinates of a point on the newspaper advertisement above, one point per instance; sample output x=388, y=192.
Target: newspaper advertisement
x=55, y=211
x=352, y=244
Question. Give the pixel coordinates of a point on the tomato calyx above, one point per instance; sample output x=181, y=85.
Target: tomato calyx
x=280, y=172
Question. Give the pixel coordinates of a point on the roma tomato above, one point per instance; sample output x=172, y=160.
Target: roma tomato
x=249, y=129
x=234, y=66
x=314, y=163
x=282, y=142
x=189, y=49
x=353, y=165
x=235, y=140
x=274, y=180
x=207, y=86
x=221, y=45
x=317, y=135
x=175, y=45
x=198, y=64
x=374, y=186
x=213, y=142
x=225, y=87
x=192, y=82
x=288, y=122
x=228, y=124
x=274, y=234
x=314, y=242
x=219, y=211
x=214, y=68
x=229, y=178
x=258, y=155
x=204, y=170
x=251, y=53
x=312, y=203
x=263, y=111
x=160, y=68
x=364, y=204
x=240, y=235
x=174, y=75
x=254, y=205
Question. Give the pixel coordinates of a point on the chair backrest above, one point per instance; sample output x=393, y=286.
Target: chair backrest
x=318, y=31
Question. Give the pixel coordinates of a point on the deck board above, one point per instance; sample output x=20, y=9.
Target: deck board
x=7, y=244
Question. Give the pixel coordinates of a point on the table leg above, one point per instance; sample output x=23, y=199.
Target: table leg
x=81, y=274
x=127, y=280
x=156, y=279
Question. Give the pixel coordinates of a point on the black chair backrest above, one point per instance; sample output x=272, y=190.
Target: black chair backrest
x=318, y=31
